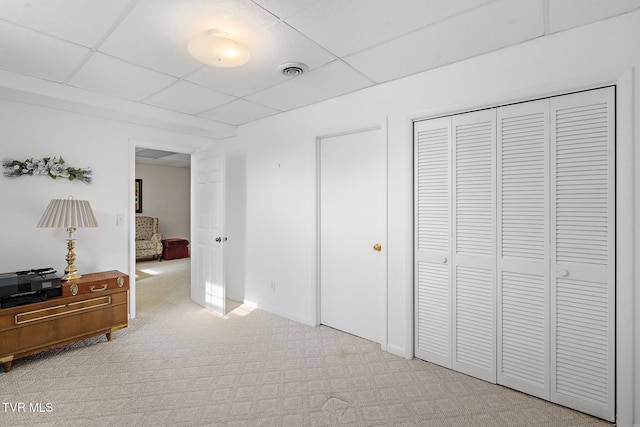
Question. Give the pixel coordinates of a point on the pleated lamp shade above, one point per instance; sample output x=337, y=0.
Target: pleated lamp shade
x=68, y=213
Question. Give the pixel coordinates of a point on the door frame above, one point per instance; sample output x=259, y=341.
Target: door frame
x=382, y=127
x=133, y=144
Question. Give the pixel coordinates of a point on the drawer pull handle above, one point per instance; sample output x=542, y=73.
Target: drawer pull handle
x=103, y=288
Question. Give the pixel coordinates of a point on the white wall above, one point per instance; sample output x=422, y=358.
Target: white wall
x=102, y=145
x=279, y=217
x=166, y=195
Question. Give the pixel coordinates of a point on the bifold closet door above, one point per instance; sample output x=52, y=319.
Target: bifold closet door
x=455, y=243
x=583, y=251
x=523, y=247
x=432, y=159
x=473, y=237
x=515, y=247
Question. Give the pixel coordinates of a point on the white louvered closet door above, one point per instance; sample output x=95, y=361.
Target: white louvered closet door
x=583, y=251
x=473, y=227
x=432, y=249
x=520, y=201
x=523, y=241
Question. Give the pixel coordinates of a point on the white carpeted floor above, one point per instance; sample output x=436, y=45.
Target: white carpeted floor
x=178, y=364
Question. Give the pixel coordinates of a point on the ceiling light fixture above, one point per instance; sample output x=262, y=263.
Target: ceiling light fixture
x=217, y=49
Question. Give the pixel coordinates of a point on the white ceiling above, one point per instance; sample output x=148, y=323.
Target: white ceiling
x=149, y=156
x=127, y=59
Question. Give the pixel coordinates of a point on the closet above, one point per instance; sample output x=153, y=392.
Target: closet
x=515, y=247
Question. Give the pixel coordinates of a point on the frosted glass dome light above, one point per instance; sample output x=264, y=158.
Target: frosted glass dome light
x=217, y=49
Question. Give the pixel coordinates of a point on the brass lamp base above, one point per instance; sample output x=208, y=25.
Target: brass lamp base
x=70, y=272
x=70, y=275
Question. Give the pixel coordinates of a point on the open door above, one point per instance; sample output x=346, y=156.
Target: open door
x=207, y=230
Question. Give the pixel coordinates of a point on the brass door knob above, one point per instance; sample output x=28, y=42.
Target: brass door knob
x=377, y=247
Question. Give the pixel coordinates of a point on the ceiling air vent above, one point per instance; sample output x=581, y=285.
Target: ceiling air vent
x=293, y=69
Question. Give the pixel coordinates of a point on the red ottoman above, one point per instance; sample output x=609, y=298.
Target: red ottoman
x=175, y=248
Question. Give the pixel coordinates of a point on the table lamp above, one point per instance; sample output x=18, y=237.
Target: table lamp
x=70, y=214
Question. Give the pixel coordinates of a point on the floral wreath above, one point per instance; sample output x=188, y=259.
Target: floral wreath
x=52, y=166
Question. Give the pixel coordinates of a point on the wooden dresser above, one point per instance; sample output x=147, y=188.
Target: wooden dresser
x=94, y=304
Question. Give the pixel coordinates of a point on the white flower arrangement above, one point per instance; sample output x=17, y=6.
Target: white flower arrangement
x=54, y=167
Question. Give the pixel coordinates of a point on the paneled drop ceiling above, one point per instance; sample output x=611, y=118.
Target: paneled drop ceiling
x=127, y=59
x=153, y=157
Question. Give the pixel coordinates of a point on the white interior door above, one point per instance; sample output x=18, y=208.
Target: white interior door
x=207, y=230
x=353, y=233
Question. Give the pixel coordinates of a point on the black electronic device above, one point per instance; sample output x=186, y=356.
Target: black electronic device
x=24, y=287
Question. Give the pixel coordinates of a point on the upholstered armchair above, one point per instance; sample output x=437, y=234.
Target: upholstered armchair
x=148, y=240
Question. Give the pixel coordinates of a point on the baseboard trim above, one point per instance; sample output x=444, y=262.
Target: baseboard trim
x=398, y=351
x=269, y=309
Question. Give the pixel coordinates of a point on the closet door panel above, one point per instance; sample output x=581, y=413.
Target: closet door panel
x=432, y=248
x=522, y=247
x=473, y=238
x=583, y=252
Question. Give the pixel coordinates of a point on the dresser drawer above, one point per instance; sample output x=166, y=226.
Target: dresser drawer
x=96, y=283
x=48, y=327
x=51, y=313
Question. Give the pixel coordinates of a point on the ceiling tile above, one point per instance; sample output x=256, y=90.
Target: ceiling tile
x=34, y=54
x=565, y=14
x=323, y=83
x=496, y=25
x=156, y=32
x=180, y=160
x=238, y=81
x=188, y=98
x=180, y=157
x=151, y=153
x=273, y=47
x=80, y=21
x=113, y=77
x=345, y=27
x=239, y=112
x=285, y=8
x=183, y=161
